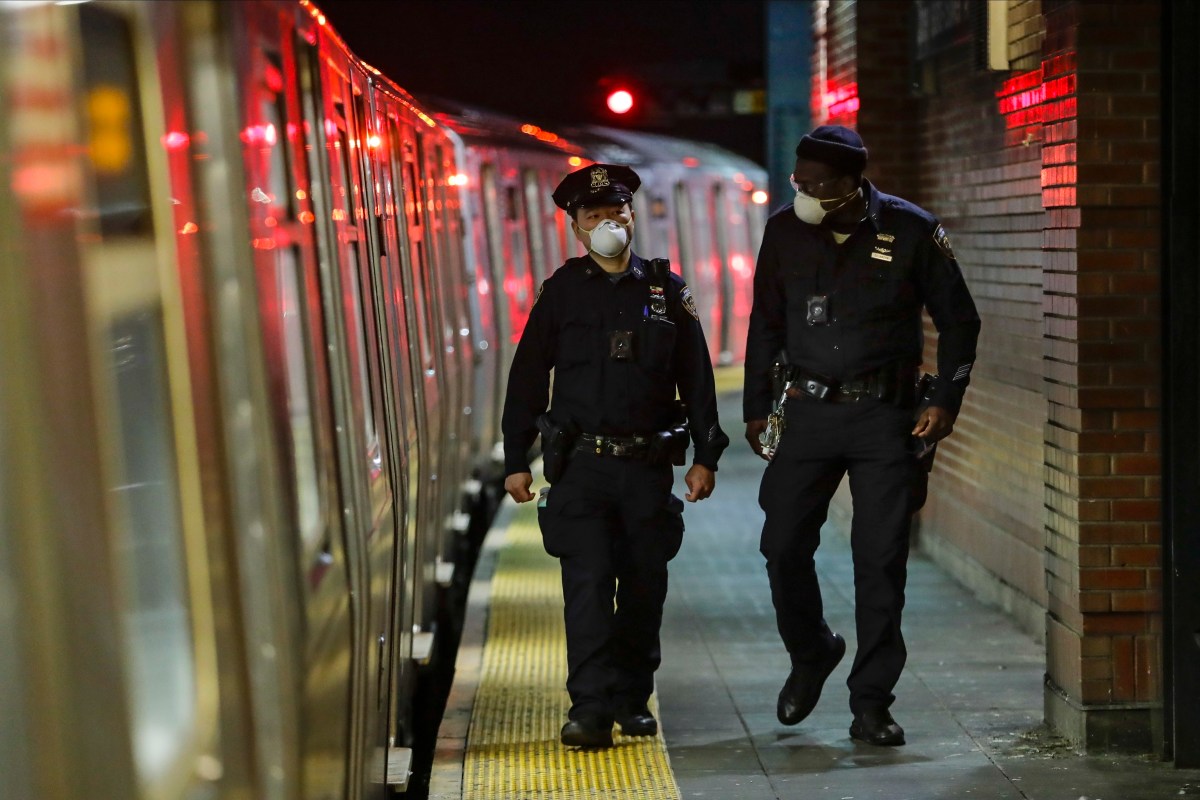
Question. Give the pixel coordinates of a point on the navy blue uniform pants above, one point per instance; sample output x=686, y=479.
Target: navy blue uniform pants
x=613, y=524
x=821, y=443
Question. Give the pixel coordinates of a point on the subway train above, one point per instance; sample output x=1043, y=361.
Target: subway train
x=257, y=304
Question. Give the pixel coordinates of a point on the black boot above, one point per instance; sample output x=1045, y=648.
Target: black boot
x=802, y=690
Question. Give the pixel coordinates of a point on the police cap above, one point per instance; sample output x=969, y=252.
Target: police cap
x=599, y=184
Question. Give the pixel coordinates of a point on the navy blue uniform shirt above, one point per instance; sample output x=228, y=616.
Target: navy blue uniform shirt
x=897, y=261
x=570, y=329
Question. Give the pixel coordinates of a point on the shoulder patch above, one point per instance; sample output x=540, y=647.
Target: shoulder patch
x=689, y=303
x=942, y=240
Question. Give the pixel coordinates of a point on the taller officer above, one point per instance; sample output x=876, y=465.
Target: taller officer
x=621, y=334
x=841, y=279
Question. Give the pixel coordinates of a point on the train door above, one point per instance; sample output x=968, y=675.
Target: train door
x=484, y=320
x=150, y=453
x=506, y=311
x=421, y=308
x=407, y=386
x=721, y=334
x=450, y=235
x=297, y=331
x=111, y=560
x=441, y=288
x=362, y=295
x=337, y=626
x=535, y=231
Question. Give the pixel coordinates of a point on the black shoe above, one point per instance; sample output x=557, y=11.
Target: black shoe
x=802, y=690
x=877, y=727
x=587, y=732
x=639, y=722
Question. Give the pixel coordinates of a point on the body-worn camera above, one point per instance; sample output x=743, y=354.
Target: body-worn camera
x=818, y=309
x=620, y=345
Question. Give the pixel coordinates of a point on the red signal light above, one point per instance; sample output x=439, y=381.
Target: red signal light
x=620, y=101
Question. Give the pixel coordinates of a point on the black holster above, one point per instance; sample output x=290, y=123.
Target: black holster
x=922, y=451
x=670, y=446
x=557, y=441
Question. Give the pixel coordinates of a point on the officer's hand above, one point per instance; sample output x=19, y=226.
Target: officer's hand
x=934, y=424
x=700, y=481
x=754, y=428
x=517, y=485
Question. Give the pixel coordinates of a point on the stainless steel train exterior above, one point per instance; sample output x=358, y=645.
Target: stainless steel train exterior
x=256, y=310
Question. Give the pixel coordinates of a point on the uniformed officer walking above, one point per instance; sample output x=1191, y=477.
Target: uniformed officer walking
x=621, y=334
x=841, y=280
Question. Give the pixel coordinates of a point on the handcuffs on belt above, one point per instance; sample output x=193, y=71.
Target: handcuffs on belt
x=769, y=438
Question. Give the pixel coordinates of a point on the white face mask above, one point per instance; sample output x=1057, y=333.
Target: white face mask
x=608, y=239
x=810, y=210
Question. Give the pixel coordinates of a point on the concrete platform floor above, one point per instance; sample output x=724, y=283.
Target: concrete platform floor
x=970, y=699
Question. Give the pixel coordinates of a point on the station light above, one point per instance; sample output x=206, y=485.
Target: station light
x=620, y=101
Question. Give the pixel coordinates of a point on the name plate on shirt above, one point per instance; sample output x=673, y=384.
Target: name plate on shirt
x=881, y=256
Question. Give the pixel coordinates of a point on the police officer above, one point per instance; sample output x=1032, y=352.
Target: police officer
x=841, y=280
x=621, y=334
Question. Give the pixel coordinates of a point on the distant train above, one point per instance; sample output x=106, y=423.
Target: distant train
x=257, y=306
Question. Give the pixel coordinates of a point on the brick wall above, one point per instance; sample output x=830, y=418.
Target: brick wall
x=1102, y=324
x=1046, y=499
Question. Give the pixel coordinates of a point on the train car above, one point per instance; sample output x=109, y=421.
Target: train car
x=257, y=306
x=236, y=367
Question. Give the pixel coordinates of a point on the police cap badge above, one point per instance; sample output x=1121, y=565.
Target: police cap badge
x=599, y=184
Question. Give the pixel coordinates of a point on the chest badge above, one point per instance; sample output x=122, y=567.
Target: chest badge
x=658, y=300
x=882, y=253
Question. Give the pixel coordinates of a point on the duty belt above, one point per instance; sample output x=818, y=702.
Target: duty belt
x=889, y=384
x=619, y=446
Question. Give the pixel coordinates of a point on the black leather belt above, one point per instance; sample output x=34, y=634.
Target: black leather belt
x=619, y=446
x=889, y=384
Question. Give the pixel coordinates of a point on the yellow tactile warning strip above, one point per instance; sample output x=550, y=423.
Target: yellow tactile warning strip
x=729, y=379
x=513, y=751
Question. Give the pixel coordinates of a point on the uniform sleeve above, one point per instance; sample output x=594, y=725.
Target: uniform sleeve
x=768, y=330
x=528, y=392
x=697, y=389
x=953, y=313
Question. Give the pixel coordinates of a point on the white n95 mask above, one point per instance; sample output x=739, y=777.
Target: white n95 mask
x=608, y=238
x=810, y=210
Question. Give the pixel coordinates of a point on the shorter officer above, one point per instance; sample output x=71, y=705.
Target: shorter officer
x=842, y=277
x=621, y=335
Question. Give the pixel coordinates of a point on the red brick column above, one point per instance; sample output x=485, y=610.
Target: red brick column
x=884, y=86
x=1100, y=159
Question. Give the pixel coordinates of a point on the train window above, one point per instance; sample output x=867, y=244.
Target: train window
x=114, y=124
x=495, y=245
x=271, y=138
x=300, y=414
x=341, y=144
x=556, y=244
x=533, y=222
x=356, y=330
x=720, y=245
x=519, y=245
x=684, y=229
x=149, y=548
x=416, y=207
